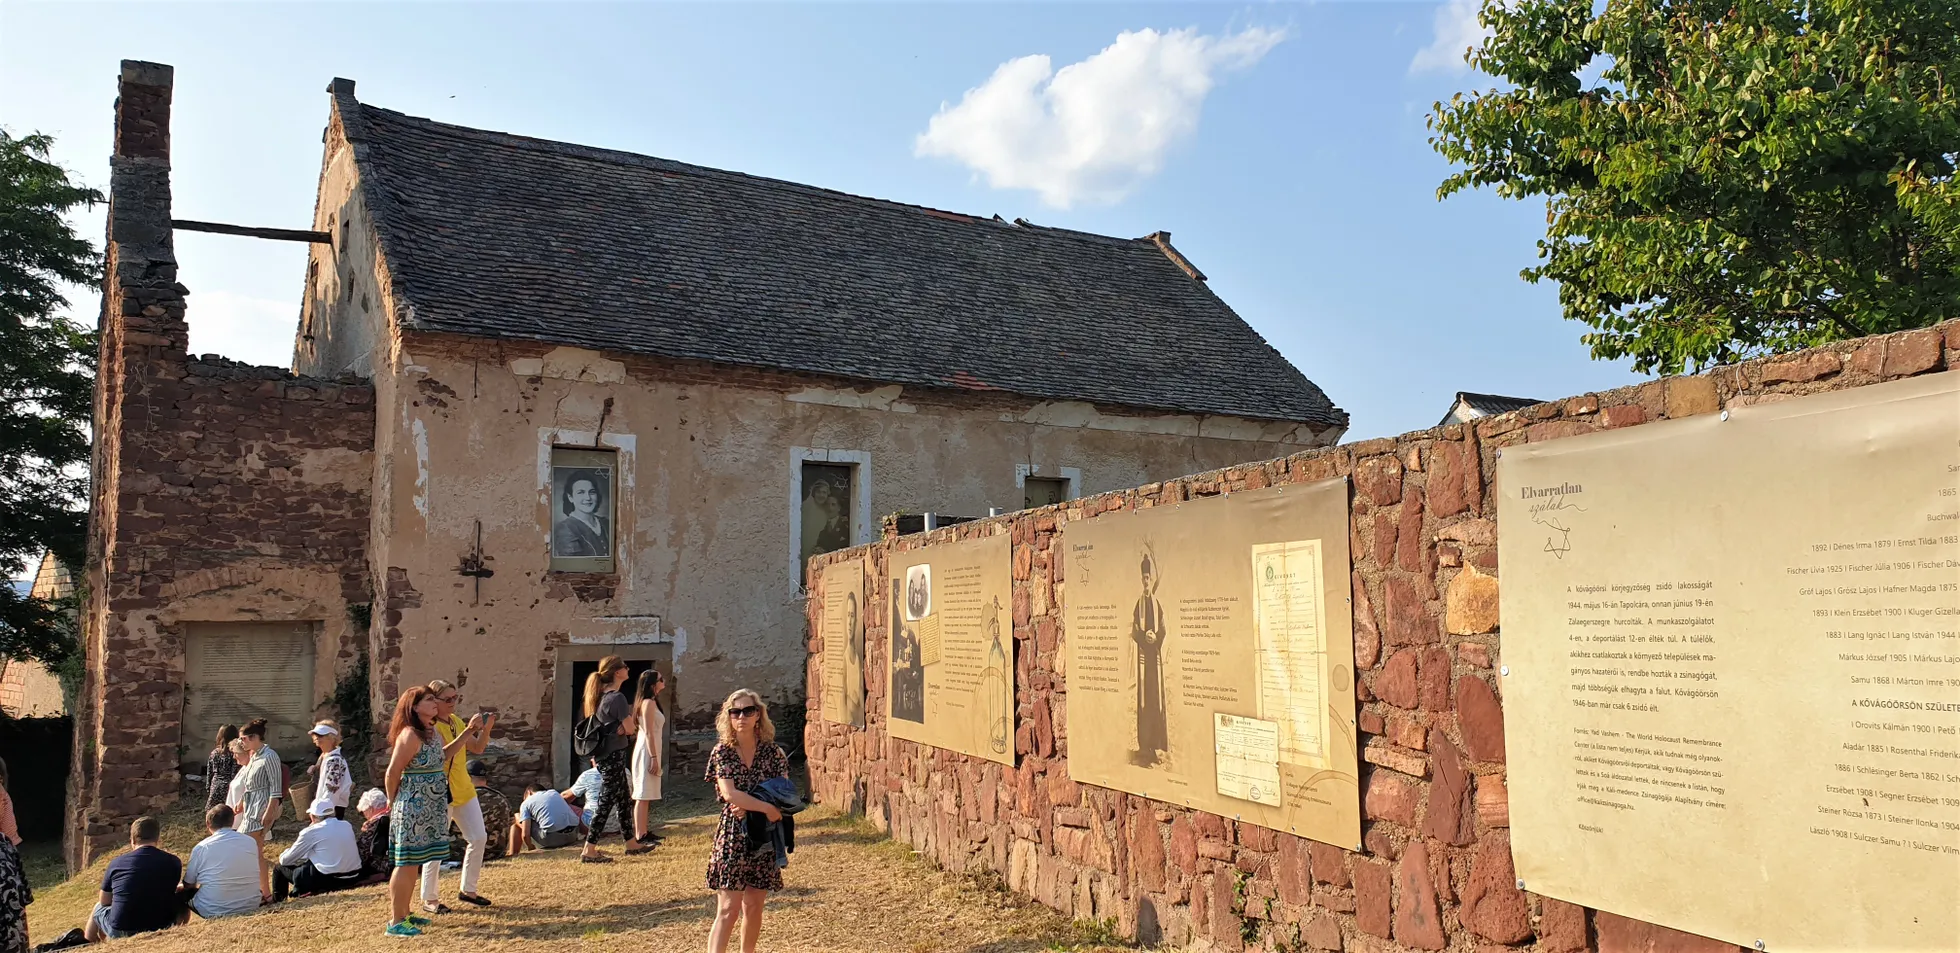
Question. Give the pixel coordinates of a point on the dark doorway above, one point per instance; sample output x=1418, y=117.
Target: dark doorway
x=582, y=669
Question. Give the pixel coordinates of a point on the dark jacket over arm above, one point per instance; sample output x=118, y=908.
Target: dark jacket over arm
x=777, y=836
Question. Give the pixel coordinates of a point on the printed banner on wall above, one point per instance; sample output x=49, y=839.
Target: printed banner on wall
x=1733, y=650
x=843, y=643
x=952, y=647
x=1210, y=657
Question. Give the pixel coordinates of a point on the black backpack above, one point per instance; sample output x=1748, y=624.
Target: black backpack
x=589, y=736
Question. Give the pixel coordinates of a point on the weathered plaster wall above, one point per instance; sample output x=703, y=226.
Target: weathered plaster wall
x=221, y=493
x=346, y=301
x=1435, y=870
x=707, y=564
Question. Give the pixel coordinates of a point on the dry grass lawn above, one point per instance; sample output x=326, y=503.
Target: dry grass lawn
x=848, y=889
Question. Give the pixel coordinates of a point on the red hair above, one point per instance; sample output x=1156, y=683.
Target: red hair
x=405, y=714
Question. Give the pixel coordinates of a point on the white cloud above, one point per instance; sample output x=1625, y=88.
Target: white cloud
x=1457, y=30
x=1090, y=131
x=243, y=328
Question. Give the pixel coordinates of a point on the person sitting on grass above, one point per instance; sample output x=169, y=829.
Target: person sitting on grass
x=584, y=793
x=544, y=821
x=222, y=876
x=323, y=859
x=139, y=890
x=373, y=837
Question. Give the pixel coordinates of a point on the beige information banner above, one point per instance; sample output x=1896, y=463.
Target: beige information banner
x=1732, y=700
x=952, y=648
x=843, y=643
x=1209, y=654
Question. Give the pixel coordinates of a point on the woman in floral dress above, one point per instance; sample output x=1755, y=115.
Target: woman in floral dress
x=418, y=789
x=14, y=894
x=220, y=768
x=740, y=877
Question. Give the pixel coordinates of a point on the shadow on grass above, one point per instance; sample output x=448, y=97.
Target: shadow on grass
x=556, y=923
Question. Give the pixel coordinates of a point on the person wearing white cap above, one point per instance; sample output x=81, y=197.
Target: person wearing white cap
x=335, y=782
x=324, y=858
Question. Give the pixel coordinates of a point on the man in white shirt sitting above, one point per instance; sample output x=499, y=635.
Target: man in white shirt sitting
x=325, y=858
x=223, y=869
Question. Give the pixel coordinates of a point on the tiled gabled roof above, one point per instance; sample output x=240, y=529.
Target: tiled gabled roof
x=491, y=234
x=1469, y=406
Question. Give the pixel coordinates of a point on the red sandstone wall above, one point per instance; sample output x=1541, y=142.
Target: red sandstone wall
x=1435, y=869
x=221, y=492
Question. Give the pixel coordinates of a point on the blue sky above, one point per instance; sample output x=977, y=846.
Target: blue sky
x=1282, y=145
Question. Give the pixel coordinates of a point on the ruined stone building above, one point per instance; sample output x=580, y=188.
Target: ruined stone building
x=27, y=688
x=551, y=402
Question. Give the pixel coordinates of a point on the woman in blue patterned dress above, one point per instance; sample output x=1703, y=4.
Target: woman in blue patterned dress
x=741, y=877
x=418, y=789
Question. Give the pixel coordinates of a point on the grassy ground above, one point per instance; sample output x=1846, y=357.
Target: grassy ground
x=848, y=889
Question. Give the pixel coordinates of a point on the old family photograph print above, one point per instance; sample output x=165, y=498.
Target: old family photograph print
x=909, y=609
x=581, y=512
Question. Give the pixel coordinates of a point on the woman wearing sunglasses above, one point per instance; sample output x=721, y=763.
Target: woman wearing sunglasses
x=741, y=877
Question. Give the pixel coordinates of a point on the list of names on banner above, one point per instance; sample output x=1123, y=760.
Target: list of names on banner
x=1737, y=641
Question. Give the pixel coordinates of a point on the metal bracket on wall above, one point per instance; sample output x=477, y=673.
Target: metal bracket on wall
x=473, y=565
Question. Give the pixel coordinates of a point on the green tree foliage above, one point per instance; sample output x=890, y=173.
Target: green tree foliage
x=1744, y=177
x=46, y=387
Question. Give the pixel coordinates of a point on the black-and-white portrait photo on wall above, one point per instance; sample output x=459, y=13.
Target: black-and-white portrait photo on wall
x=581, y=512
x=826, y=508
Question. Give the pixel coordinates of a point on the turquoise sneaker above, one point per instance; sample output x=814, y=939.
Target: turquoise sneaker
x=403, y=928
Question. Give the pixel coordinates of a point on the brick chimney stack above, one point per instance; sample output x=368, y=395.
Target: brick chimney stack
x=124, y=760
x=142, y=258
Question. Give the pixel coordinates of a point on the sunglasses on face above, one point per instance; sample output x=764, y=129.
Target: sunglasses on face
x=745, y=711
x=451, y=700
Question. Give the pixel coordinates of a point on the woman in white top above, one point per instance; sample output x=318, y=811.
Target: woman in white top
x=235, y=792
x=646, y=753
x=333, y=781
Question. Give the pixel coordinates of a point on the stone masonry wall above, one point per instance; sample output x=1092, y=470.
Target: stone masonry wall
x=220, y=492
x=1435, y=870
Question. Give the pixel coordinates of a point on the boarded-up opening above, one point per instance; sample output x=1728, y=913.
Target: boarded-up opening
x=238, y=671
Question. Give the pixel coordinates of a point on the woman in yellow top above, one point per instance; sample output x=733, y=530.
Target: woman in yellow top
x=464, y=808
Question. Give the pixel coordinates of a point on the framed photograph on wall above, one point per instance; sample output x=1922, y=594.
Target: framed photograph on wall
x=584, y=512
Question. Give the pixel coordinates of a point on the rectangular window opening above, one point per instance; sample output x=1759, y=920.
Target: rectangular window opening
x=1044, y=491
x=824, y=509
x=584, y=510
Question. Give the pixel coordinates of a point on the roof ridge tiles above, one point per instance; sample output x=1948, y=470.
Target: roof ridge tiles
x=500, y=235
x=676, y=166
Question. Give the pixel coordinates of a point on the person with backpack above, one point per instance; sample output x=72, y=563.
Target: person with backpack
x=605, y=735
x=262, y=785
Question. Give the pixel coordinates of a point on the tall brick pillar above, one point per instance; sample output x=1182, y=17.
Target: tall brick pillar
x=130, y=705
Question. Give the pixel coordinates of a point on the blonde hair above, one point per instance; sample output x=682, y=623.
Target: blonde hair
x=765, y=732
x=439, y=686
x=595, y=683
x=237, y=746
x=331, y=725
